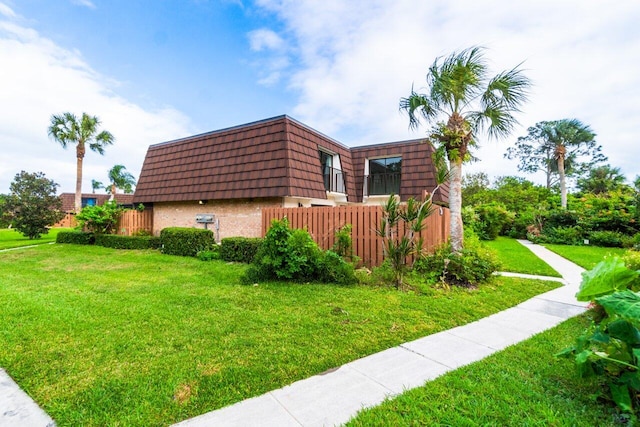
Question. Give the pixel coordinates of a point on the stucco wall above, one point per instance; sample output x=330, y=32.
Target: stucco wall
x=235, y=217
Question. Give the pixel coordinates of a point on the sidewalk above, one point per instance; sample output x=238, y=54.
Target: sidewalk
x=335, y=396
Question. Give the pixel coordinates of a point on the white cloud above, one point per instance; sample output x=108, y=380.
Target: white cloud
x=39, y=78
x=84, y=3
x=354, y=60
x=263, y=38
x=7, y=11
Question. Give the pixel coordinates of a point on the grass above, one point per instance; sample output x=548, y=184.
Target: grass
x=516, y=258
x=524, y=385
x=104, y=337
x=585, y=256
x=13, y=239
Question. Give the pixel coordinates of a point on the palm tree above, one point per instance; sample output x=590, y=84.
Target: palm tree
x=566, y=136
x=463, y=100
x=602, y=179
x=66, y=129
x=120, y=178
x=96, y=185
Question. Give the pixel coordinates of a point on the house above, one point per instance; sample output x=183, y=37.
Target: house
x=88, y=199
x=231, y=174
x=92, y=199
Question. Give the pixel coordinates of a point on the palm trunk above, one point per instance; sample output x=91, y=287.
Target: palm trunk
x=456, y=231
x=563, y=184
x=78, y=199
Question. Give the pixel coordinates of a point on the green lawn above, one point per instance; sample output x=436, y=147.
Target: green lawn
x=104, y=337
x=585, y=256
x=517, y=258
x=524, y=385
x=12, y=239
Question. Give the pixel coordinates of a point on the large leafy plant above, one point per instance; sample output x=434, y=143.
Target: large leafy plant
x=100, y=219
x=400, y=231
x=610, y=347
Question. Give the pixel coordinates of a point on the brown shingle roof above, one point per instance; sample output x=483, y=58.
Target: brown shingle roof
x=68, y=199
x=276, y=157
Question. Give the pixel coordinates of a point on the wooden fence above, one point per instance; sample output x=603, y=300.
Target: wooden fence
x=131, y=222
x=323, y=222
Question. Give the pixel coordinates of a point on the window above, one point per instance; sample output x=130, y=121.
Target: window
x=88, y=201
x=384, y=176
x=332, y=175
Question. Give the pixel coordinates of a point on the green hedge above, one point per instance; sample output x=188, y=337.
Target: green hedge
x=239, y=249
x=76, y=237
x=127, y=242
x=185, y=241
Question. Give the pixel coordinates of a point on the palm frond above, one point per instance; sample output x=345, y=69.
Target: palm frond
x=508, y=89
x=418, y=106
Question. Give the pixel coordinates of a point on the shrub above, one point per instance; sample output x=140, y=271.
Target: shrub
x=473, y=265
x=208, y=255
x=396, y=246
x=493, y=219
x=334, y=269
x=239, y=249
x=562, y=236
x=635, y=241
x=559, y=219
x=610, y=239
x=127, y=242
x=343, y=245
x=383, y=275
x=185, y=241
x=75, y=237
x=99, y=219
x=287, y=254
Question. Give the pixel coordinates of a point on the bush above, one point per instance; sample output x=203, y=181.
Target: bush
x=521, y=223
x=208, y=255
x=559, y=219
x=287, y=254
x=562, y=236
x=493, y=219
x=382, y=275
x=239, y=249
x=609, y=239
x=473, y=265
x=343, y=244
x=99, y=219
x=185, y=241
x=334, y=269
x=75, y=237
x=127, y=242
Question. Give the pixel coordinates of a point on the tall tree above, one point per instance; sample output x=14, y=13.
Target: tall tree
x=538, y=150
x=33, y=204
x=602, y=179
x=120, y=178
x=67, y=130
x=461, y=101
x=96, y=185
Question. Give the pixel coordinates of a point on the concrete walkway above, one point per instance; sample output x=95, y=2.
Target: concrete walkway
x=335, y=396
x=332, y=398
x=17, y=409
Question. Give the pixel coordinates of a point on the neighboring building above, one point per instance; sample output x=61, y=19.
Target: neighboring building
x=88, y=199
x=233, y=173
x=92, y=199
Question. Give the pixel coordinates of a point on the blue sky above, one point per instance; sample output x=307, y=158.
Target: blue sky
x=164, y=69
